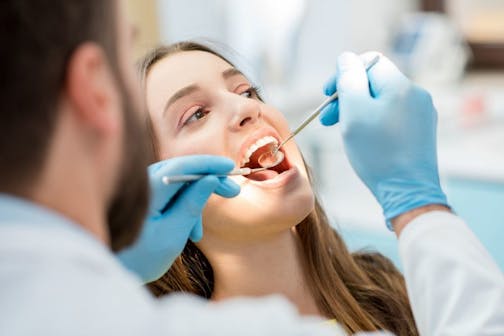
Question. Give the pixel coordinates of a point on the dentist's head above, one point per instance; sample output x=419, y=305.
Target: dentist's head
x=69, y=123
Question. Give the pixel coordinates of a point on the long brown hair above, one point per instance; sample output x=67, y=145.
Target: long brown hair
x=361, y=291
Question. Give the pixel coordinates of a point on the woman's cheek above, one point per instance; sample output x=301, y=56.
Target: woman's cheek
x=278, y=121
x=192, y=146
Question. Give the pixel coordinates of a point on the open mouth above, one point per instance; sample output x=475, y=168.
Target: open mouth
x=261, y=146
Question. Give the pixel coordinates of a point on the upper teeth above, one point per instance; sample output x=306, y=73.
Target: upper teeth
x=258, y=144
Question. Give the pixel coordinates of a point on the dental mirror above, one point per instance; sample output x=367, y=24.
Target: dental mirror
x=271, y=158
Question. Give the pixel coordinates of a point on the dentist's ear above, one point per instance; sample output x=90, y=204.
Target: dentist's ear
x=91, y=89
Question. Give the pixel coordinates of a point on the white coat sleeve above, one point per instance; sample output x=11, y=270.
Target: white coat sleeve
x=454, y=285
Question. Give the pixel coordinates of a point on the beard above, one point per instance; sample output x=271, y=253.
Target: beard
x=129, y=203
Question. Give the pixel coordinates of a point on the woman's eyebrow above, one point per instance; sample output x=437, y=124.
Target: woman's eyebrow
x=232, y=72
x=180, y=94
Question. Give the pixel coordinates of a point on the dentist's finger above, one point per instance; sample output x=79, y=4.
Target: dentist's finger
x=161, y=193
x=227, y=188
x=192, y=200
x=330, y=114
x=197, y=231
x=330, y=86
x=385, y=78
x=352, y=79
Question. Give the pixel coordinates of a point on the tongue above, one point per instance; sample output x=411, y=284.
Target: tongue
x=262, y=175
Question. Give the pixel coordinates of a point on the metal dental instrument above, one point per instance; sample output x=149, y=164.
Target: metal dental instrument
x=194, y=177
x=274, y=157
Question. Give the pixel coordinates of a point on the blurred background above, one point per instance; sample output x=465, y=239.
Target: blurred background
x=454, y=48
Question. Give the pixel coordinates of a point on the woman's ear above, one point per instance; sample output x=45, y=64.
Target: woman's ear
x=92, y=89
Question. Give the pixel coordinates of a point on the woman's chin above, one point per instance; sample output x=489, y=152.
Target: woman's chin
x=257, y=215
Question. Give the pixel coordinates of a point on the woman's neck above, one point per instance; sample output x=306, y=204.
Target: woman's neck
x=268, y=267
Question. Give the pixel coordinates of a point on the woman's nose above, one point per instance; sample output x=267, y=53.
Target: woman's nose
x=247, y=112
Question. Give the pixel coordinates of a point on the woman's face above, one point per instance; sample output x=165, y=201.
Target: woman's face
x=200, y=104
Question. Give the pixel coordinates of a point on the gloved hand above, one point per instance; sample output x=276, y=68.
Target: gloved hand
x=175, y=212
x=389, y=133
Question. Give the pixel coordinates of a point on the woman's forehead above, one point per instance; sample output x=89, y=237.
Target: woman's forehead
x=183, y=69
x=191, y=64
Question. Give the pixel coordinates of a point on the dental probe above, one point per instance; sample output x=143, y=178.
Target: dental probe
x=194, y=177
x=270, y=158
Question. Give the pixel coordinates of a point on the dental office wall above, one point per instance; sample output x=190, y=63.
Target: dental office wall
x=291, y=46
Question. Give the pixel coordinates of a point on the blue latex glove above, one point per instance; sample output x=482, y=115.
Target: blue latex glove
x=175, y=212
x=389, y=133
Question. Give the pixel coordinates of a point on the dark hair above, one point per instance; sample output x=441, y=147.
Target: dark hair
x=362, y=291
x=37, y=40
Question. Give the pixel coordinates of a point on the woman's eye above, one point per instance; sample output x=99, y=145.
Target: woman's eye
x=200, y=113
x=250, y=93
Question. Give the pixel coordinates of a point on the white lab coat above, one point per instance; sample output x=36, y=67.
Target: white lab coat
x=55, y=279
